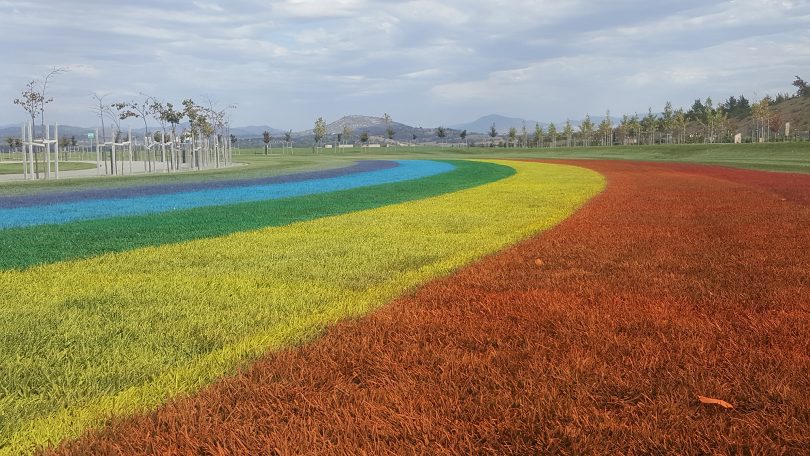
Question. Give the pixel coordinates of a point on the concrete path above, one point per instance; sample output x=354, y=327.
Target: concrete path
x=137, y=167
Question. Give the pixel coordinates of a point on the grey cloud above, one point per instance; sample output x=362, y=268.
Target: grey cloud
x=423, y=61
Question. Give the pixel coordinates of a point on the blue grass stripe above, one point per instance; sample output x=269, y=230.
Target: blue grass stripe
x=98, y=209
x=43, y=199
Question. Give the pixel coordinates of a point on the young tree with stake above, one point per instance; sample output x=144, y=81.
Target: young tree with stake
x=32, y=101
x=441, y=132
x=319, y=131
x=288, y=139
x=266, y=137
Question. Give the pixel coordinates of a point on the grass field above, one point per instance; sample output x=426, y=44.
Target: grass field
x=637, y=285
x=597, y=337
x=16, y=168
x=788, y=157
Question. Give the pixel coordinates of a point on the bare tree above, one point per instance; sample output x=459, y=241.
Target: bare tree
x=31, y=101
x=100, y=108
x=45, y=80
x=116, y=113
x=140, y=110
x=347, y=133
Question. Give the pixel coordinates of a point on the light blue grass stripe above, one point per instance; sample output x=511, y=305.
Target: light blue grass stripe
x=98, y=209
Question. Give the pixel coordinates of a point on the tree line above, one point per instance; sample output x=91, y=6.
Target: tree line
x=702, y=122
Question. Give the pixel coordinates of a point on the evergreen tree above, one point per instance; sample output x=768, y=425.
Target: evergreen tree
x=586, y=129
x=538, y=135
x=802, y=88
x=696, y=111
x=568, y=132
x=552, y=134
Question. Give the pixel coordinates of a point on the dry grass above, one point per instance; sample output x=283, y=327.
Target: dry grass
x=677, y=281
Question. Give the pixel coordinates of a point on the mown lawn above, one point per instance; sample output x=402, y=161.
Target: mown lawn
x=16, y=168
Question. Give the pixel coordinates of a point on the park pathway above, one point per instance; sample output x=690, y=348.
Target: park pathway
x=138, y=168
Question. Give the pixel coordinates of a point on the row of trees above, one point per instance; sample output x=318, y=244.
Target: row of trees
x=320, y=132
x=206, y=133
x=207, y=128
x=701, y=122
x=267, y=138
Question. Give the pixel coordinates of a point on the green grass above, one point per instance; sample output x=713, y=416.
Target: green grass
x=16, y=168
x=786, y=157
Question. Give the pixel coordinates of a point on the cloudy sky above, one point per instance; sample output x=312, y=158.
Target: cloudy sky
x=284, y=63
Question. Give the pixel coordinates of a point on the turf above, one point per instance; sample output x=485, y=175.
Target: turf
x=596, y=337
x=25, y=247
x=123, y=332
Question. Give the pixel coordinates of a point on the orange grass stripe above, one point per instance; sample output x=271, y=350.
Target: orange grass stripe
x=671, y=284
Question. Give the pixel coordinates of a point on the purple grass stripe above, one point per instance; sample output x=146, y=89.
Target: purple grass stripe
x=164, y=189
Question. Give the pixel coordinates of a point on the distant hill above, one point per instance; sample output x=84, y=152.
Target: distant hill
x=372, y=125
x=254, y=130
x=502, y=124
x=64, y=131
x=795, y=110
